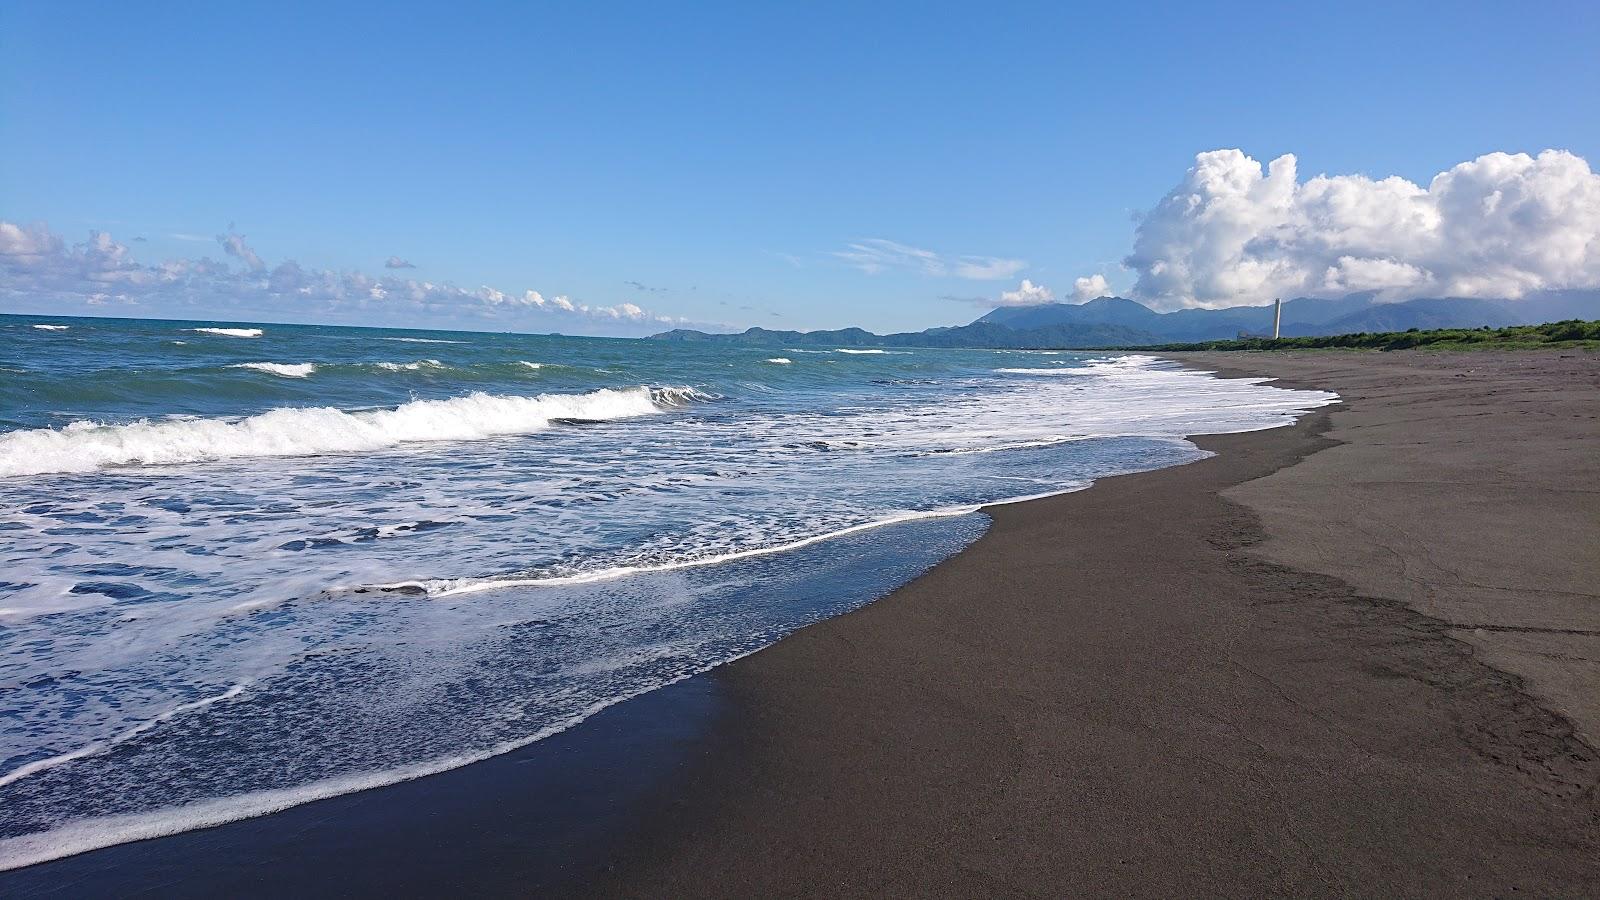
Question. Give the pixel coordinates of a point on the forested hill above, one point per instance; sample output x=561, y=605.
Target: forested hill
x=978, y=334
x=1119, y=322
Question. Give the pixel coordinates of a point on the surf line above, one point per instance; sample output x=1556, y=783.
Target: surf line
x=41, y=765
x=452, y=587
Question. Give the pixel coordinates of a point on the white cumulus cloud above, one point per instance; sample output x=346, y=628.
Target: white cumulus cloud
x=1501, y=225
x=1026, y=294
x=1089, y=287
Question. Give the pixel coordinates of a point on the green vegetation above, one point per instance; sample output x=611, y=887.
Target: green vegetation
x=1571, y=333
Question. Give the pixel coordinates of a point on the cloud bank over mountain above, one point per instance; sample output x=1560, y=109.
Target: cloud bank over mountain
x=43, y=272
x=1502, y=225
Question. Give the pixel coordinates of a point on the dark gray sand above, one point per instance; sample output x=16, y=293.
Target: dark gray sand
x=1354, y=656
x=1469, y=488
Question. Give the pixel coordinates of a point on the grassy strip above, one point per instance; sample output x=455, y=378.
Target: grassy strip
x=1571, y=333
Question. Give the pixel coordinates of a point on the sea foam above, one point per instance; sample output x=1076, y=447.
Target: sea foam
x=228, y=332
x=52, y=327
x=410, y=366
x=86, y=446
x=283, y=370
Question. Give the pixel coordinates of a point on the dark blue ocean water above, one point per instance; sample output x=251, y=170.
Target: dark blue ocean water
x=245, y=566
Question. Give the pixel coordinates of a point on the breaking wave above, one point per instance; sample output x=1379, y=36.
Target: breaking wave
x=86, y=446
x=410, y=366
x=228, y=332
x=284, y=370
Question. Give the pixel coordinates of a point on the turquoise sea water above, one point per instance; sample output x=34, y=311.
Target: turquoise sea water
x=245, y=566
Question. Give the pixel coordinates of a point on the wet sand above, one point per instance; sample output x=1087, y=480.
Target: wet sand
x=1355, y=656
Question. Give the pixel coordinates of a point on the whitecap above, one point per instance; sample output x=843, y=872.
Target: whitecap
x=411, y=366
x=282, y=370
x=228, y=332
x=43, y=327
x=780, y=361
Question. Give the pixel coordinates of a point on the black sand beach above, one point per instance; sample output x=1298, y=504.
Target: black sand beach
x=1358, y=655
x=1127, y=692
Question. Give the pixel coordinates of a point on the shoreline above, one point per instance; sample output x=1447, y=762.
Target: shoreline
x=1038, y=715
x=811, y=756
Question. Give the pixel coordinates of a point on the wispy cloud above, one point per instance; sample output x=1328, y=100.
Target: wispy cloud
x=645, y=288
x=38, y=267
x=395, y=262
x=987, y=268
x=875, y=255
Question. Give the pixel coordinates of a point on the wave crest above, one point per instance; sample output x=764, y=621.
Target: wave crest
x=228, y=332
x=87, y=446
x=285, y=370
x=411, y=366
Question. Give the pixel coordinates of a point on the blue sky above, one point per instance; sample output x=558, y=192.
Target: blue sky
x=717, y=162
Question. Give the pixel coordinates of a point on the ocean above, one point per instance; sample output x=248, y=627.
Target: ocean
x=250, y=566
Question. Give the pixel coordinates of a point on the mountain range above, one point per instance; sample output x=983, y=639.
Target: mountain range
x=1119, y=322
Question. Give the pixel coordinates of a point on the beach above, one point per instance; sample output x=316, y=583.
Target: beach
x=1356, y=655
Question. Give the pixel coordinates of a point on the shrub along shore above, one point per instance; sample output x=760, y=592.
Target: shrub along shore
x=1571, y=333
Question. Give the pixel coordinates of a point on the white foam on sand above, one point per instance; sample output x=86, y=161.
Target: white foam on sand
x=92, y=834
x=41, y=765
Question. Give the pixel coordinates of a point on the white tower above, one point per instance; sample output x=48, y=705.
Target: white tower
x=1277, y=317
